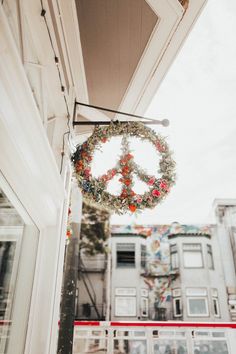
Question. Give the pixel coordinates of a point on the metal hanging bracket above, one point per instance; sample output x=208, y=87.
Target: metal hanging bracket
x=164, y=122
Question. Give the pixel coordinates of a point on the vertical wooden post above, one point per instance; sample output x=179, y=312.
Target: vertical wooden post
x=66, y=327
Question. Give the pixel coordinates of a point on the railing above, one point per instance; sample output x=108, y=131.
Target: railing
x=154, y=338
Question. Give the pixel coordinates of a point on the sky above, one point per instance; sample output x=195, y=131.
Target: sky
x=198, y=96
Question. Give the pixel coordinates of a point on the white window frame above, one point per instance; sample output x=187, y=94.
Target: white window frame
x=214, y=294
x=119, y=313
x=144, y=306
x=175, y=299
x=176, y=292
x=185, y=250
x=197, y=314
x=125, y=291
x=174, y=255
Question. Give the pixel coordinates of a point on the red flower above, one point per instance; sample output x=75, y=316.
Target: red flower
x=125, y=171
x=132, y=208
x=151, y=181
x=129, y=156
x=156, y=193
x=124, y=194
x=127, y=182
x=104, y=139
x=79, y=165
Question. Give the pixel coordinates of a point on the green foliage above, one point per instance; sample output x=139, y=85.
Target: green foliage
x=94, y=230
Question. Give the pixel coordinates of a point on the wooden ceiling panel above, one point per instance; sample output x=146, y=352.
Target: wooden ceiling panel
x=114, y=34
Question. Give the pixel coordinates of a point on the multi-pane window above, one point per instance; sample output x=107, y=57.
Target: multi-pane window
x=210, y=261
x=174, y=259
x=192, y=254
x=197, y=304
x=125, y=302
x=143, y=256
x=125, y=255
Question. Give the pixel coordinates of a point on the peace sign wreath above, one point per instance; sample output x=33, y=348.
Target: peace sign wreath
x=94, y=189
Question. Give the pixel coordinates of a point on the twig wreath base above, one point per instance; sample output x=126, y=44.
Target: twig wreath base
x=95, y=189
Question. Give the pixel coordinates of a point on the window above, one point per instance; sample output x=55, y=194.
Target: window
x=192, y=253
x=197, y=304
x=125, y=255
x=144, y=307
x=143, y=256
x=125, y=302
x=177, y=302
x=18, y=251
x=210, y=262
x=125, y=306
x=174, y=259
x=215, y=300
x=125, y=291
x=177, y=307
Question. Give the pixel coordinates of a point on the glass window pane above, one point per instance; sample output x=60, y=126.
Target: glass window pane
x=125, y=306
x=174, y=260
x=169, y=346
x=86, y=345
x=125, y=346
x=197, y=306
x=209, y=347
x=18, y=247
x=193, y=259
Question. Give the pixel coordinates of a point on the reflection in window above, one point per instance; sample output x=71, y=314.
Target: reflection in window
x=86, y=346
x=128, y=346
x=197, y=307
x=162, y=346
x=11, y=230
x=210, y=347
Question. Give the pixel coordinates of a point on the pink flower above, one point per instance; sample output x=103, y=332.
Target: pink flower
x=160, y=148
x=163, y=185
x=151, y=181
x=138, y=199
x=87, y=172
x=156, y=193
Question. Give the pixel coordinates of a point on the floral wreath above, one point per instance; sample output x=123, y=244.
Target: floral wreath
x=94, y=189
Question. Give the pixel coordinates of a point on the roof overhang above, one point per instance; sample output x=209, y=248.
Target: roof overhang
x=89, y=29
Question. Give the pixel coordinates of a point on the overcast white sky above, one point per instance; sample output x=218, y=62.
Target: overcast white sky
x=198, y=96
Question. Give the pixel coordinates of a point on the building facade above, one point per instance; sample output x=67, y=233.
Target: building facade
x=164, y=272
